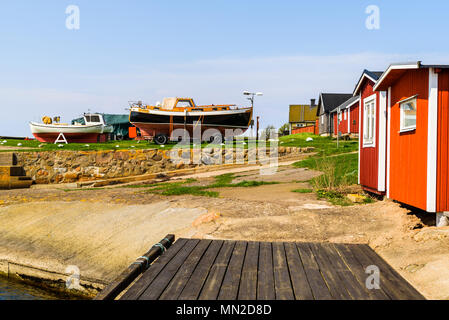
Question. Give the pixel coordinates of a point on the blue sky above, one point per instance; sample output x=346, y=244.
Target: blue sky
x=209, y=50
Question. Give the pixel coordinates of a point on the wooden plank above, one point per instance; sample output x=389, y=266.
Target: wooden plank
x=134, y=270
x=178, y=282
x=141, y=284
x=358, y=271
x=396, y=286
x=158, y=285
x=216, y=275
x=265, y=276
x=354, y=288
x=333, y=280
x=317, y=284
x=282, y=284
x=248, y=281
x=300, y=284
x=230, y=286
x=193, y=287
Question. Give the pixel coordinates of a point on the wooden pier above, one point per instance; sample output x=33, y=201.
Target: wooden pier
x=193, y=269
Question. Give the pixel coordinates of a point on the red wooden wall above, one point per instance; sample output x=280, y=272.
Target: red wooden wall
x=369, y=157
x=408, y=151
x=354, y=126
x=310, y=129
x=443, y=142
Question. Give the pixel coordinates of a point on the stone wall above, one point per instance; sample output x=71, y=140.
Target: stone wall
x=73, y=166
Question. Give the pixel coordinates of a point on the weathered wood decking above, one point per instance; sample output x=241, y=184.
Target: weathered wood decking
x=237, y=270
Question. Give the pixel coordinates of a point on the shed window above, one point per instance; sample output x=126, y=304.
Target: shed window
x=345, y=113
x=408, y=114
x=369, y=122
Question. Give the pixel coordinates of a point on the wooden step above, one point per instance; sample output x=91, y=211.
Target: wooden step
x=12, y=171
x=15, y=183
x=8, y=159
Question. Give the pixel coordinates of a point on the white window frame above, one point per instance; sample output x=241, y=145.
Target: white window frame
x=344, y=114
x=369, y=101
x=401, y=121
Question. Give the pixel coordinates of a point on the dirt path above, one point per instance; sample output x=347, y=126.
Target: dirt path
x=102, y=231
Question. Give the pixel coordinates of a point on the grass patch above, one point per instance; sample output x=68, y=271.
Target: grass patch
x=252, y=183
x=334, y=197
x=177, y=190
x=339, y=172
x=223, y=180
x=324, y=146
x=303, y=190
x=34, y=145
x=180, y=188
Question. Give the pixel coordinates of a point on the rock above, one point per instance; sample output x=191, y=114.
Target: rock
x=412, y=268
x=205, y=218
x=432, y=233
x=356, y=198
x=180, y=165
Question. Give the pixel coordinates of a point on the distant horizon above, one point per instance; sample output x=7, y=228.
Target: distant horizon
x=289, y=50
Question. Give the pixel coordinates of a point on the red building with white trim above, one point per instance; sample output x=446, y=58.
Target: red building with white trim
x=404, y=143
x=346, y=117
x=372, y=137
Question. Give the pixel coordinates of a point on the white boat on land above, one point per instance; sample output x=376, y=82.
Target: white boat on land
x=90, y=132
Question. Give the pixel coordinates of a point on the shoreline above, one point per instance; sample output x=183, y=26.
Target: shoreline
x=50, y=281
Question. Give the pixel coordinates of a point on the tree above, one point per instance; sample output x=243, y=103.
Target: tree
x=269, y=132
x=284, y=129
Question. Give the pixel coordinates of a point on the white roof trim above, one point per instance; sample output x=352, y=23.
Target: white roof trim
x=396, y=67
x=360, y=83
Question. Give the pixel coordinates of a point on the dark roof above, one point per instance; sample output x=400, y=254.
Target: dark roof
x=374, y=75
x=330, y=101
x=347, y=103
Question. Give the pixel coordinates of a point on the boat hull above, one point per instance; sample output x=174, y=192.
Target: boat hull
x=72, y=133
x=228, y=123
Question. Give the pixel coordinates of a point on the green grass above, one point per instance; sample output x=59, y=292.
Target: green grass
x=180, y=188
x=303, y=190
x=324, y=145
x=175, y=189
x=339, y=170
x=34, y=145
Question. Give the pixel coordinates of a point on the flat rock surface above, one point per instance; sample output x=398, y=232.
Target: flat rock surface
x=102, y=231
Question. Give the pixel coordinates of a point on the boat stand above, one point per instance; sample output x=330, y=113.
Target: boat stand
x=61, y=138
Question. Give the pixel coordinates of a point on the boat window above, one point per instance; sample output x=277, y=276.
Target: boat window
x=95, y=119
x=87, y=118
x=184, y=104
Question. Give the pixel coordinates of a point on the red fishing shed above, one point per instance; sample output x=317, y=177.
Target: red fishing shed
x=372, y=133
x=347, y=115
x=418, y=135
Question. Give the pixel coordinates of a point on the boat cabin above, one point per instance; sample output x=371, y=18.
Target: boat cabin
x=182, y=104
